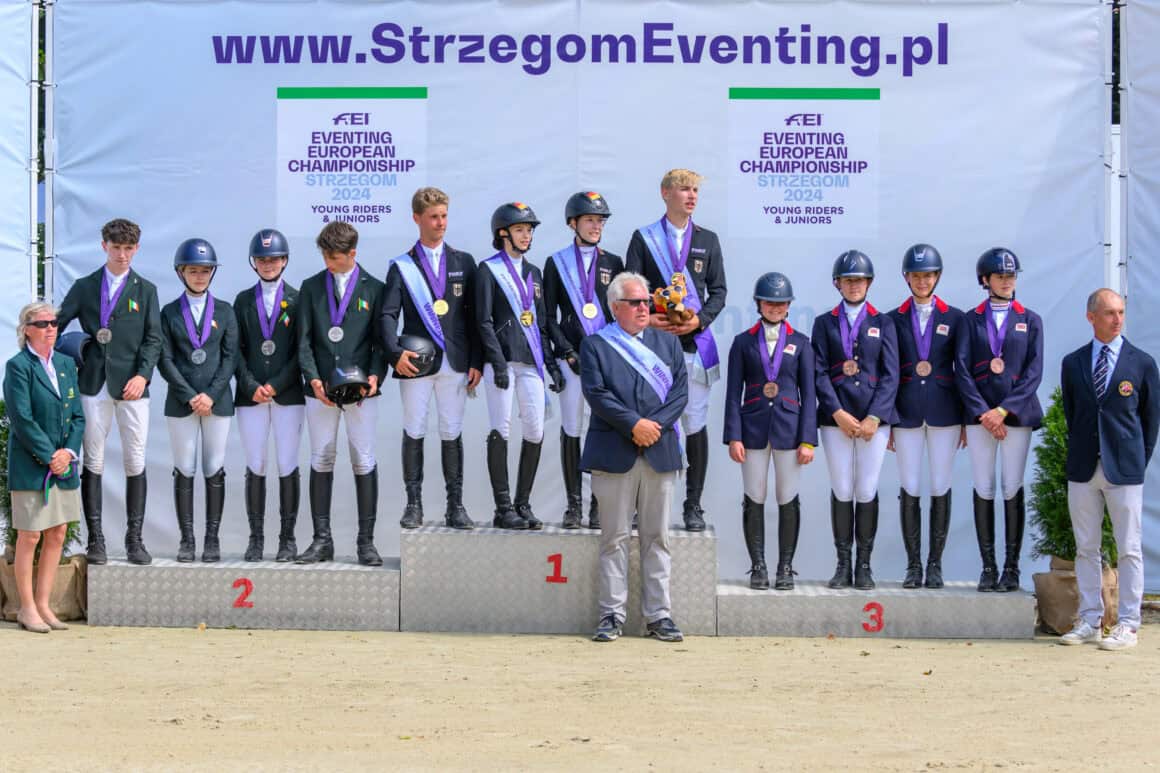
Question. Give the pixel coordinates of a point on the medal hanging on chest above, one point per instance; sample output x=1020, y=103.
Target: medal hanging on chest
x=198, y=338
x=266, y=322
x=338, y=308
x=105, y=333
x=436, y=279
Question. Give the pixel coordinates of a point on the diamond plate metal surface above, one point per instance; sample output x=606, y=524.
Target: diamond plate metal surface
x=496, y=581
x=341, y=596
x=813, y=609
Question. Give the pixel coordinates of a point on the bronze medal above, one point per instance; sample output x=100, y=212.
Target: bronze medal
x=770, y=389
x=922, y=368
x=589, y=311
x=526, y=318
x=850, y=368
x=441, y=307
x=997, y=365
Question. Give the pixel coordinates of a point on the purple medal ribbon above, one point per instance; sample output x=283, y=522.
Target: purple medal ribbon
x=50, y=476
x=996, y=337
x=526, y=289
x=264, y=322
x=197, y=339
x=587, y=280
x=850, y=332
x=679, y=261
x=337, y=312
x=107, y=303
x=438, y=281
x=772, y=364
x=922, y=340
x=706, y=346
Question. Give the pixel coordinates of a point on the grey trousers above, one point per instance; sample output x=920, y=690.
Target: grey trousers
x=648, y=493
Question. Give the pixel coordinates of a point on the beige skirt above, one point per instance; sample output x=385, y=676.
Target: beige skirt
x=30, y=513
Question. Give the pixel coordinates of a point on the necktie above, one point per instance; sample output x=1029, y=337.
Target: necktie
x=1100, y=377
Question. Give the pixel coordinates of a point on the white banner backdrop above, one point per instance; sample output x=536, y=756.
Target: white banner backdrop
x=1140, y=62
x=15, y=136
x=965, y=124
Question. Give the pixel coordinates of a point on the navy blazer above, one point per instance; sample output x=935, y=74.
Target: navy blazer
x=619, y=397
x=789, y=419
x=933, y=400
x=212, y=377
x=1119, y=430
x=871, y=391
x=1015, y=388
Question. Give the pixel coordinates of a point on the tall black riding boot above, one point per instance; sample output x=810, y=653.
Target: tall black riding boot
x=753, y=526
x=412, y=482
x=525, y=478
x=842, y=523
x=289, y=492
x=91, y=504
x=910, y=513
x=1014, y=518
x=865, y=527
x=940, y=524
x=985, y=532
x=366, y=494
x=452, y=456
x=135, y=492
x=505, y=515
x=789, y=525
x=183, y=507
x=593, y=513
x=570, y=465
x=697, y=451
x=322, y=546
x=256, y=513
x=215, y=502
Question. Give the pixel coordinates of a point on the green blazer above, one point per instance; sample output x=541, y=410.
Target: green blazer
x=136, y=325
x=41, y=420
x=318, y=356
x=187, y=380
x=280, y=370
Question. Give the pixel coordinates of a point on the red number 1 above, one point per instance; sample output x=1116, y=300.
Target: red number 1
x=557, y=562
x=247, y=588
x=876, y=623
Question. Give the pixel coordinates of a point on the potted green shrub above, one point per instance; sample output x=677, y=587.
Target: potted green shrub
x=1056, y=593
x=68, y=593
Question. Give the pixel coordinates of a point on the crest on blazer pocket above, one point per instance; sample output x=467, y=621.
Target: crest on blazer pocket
x=1126, y=389
x=942, y=330
x=539, y=291
x=605, y=276
x=790, y=349
x=457, y=289
x=1020, y=327
x=873, y=333
x=698, y=265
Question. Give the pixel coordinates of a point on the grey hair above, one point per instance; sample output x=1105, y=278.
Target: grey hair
x=26, y=315
x=616, y=289
x=1094, y=300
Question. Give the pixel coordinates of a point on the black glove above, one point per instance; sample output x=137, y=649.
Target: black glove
x=500, y=377
x=573, y=361
x=557, y=377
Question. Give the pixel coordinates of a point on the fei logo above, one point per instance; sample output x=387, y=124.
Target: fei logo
x=804, y=119
x=352, y=119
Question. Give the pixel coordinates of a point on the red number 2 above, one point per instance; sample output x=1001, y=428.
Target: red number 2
x=557, y=562
x=876, y=623
x=247, y=588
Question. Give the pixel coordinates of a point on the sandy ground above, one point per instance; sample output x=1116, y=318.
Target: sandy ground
x=127, y=699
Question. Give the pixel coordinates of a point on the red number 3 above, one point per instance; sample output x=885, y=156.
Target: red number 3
x=876, y=623
x=557, y=562
x=247, y=588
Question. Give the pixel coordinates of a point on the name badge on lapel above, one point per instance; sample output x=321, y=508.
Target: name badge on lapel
x=1020, y=327
x=942, y=330
x=791, y=349
x=873, y=333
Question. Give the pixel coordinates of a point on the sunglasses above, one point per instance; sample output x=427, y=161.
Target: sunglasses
x=635, y=302
x=43, y=323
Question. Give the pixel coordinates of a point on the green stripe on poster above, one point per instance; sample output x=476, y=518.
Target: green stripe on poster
x=352, y=92
x=804, y=93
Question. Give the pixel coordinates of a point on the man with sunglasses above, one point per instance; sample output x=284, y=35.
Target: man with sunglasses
x=637, y=387
x=118, y=308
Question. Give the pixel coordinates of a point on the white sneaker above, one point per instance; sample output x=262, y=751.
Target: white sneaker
x=1083, y=633
x=1121, y=638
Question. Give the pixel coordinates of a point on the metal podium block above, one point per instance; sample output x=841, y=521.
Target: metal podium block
x=498, y=581
x=330, y=596
x=813, y=609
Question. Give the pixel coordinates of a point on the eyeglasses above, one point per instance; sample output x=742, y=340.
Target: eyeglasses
x=635, y=302
x=43, y=323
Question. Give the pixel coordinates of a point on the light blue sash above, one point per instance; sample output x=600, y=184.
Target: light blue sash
x=421, y=296
x=565, y=261
x=647, y=363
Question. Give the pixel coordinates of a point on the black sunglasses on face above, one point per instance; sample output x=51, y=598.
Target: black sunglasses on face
x=635, y=302
x=43, y=323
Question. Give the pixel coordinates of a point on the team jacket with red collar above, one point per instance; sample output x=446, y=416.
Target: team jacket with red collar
x=1015, y=388
x=783, y=422
x=933, y=400
x=871, y=391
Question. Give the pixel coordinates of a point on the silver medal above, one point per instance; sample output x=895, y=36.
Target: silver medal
x=335, y=334
x=268, y=347
x=104, y=335
x=197, y=356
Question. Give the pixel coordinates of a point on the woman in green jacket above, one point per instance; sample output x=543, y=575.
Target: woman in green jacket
x=44, y=443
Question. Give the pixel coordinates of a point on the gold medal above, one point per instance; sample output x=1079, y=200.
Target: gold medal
x=770, y=389
x=922, y=368
x=589, y=311
x=997, y=365
x=850, y=367
x=441, y=307
x=526, y=318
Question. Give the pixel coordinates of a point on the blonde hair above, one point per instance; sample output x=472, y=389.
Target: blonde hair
x=675, y=178
x=425, y=198
x=26, y=315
